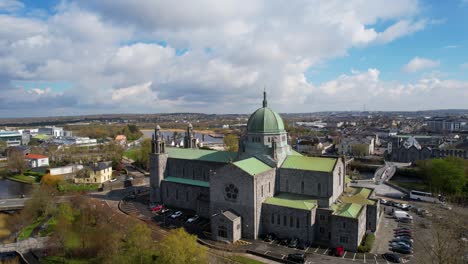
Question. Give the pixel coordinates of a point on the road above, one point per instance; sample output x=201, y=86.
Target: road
x=380, y=189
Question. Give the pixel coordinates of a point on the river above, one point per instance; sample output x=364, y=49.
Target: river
x=12, y=189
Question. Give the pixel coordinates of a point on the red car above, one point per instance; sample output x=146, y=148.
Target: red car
x=338, y=251
x=157, y=208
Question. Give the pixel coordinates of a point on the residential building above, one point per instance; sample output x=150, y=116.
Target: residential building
x=121, y=139
x=357, y=146
x=95, y=172
x=36, y=160
x=264, y=187
x=447, y=124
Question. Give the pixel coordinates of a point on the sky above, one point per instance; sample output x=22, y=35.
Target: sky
x=217, y=56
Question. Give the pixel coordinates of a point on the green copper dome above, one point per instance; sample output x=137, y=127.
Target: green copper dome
x=265, y=120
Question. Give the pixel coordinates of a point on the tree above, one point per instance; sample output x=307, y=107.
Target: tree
x=137, y=247
x=181, y=247
x=231, y=142
x=143, y=154
x=16, y=161
x=447, y=175
x=3, y=146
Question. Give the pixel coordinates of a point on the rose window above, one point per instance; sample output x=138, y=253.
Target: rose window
x=231, y=191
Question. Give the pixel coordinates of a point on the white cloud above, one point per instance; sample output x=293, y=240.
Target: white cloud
x=10, y=5
x=417, y=64
x=464, y=65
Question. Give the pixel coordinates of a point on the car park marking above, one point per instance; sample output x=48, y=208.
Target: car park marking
x=354, y=257
x=344, y=254
x=306, y=249
x=282, y=256
x=375, y=257
x=315, y=251
x=364, y=257
x=325, y=252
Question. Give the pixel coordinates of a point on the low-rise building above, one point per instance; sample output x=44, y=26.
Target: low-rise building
x=96, y=172
x=356, y=146
x=36, y=160
x=12, y=138
x=121, y=139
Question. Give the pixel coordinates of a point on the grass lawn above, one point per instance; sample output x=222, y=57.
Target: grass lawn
x=63, y=260
x=244, y=260
x=132, y=153
x=70, y=187
x=418, y=186
x=23, y=178
x=27, y=231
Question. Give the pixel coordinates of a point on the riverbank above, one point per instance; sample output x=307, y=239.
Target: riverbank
x=23, y=179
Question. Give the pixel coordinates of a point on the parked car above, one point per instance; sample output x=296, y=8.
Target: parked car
x=157, y=208
x=284, y=241
x=193, y=219
x=176, y=215
x=392, y=257
x=302, y=244
x=403, y=206
x=293, y=243
x=296, y=257
x=270, y=237
x=404, y=238
x=337, y=252
x=383, y=201
x=406, y=241
x=401, y=249
x=113, y=180
x=404, y=231
x=400, y=244
x=164, y=211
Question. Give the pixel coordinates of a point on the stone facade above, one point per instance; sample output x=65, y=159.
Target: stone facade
x=253, y=192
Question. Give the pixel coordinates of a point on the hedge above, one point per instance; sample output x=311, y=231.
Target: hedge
x=367, y=243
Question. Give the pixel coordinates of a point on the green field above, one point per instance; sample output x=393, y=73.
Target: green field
x=23, y=178
x=27, y=231
x=70, y=187
x=418, y=186
x=132, y=153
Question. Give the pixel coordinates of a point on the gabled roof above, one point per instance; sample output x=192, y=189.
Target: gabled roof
x=309, y=163
x=296, y=201
x=201, y=154
x=35, y=156
x=252, y=166
x=230, y=215
x=351, y=210
x=357, y=195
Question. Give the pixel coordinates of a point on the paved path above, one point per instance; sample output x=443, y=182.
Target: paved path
x=12, y=204
x=24, y=245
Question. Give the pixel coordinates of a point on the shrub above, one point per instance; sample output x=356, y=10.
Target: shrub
x=367, y=243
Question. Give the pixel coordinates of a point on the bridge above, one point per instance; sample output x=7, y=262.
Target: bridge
x=12, y=204
x=24, y=246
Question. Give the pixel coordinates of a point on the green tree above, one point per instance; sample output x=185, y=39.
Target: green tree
x=3, y=146
x=137, y=247
x=447, y=175
x=181, y=247
x=16, y=161
x=231, y=142
x=143, y=154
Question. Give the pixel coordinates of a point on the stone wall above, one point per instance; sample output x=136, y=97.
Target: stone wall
x=192, y=169
x=157, y=169
x=264, y=184
x=186, y=197
x=372, y=216
x=348, y=232
x=288, y=222
x=323, y=220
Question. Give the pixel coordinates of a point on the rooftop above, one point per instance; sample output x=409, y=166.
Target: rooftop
x=357, y=195
x=35, y=156
x=252, y=166
x=351, y=210
x=309, y=163
x=188, y=181
x=201, y=154
x=291, y=200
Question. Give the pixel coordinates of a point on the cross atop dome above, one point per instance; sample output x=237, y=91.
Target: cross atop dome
x=265, y=103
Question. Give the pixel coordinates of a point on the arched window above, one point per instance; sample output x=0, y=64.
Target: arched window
x=302, y=187
x=319, y=188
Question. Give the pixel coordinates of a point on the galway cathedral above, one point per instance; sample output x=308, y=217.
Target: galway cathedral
x=265, y=187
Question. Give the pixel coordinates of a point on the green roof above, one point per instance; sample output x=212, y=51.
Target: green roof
x=265, y=120
x=187, y=181
x=351, y=210
x=252, y=166
x=357, y=195
x=291, y=200
x=309, y=163
x=201, y=154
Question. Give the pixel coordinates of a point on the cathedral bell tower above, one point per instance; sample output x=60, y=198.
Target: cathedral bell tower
x=158, y=160
x=190, y=141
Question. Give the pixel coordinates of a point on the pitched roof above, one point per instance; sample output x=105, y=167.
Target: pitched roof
x=35, y=156
x=188, y=181
x=230, y=215
x=201, y=154
x=357, y=195
x=291, y=200
x=309, y=163
x=351, y=210
x=252, y=166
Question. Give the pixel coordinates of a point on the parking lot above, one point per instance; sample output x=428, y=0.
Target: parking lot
x=198, y=227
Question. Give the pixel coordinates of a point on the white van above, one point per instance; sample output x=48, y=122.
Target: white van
x=402, y=215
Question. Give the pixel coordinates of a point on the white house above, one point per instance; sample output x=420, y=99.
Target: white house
x=37, y=160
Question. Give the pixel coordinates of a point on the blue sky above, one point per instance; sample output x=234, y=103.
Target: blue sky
x=115, y=56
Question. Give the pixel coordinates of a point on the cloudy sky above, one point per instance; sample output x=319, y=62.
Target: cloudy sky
x=216, y=56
